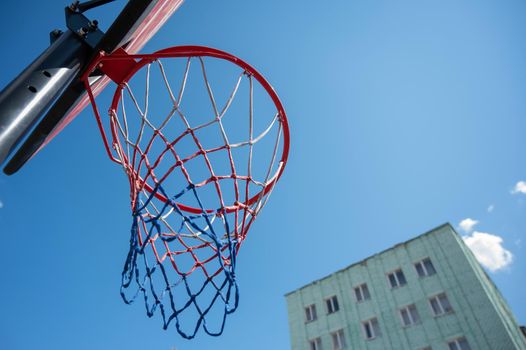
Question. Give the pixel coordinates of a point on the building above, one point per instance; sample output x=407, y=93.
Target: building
x=426, y=293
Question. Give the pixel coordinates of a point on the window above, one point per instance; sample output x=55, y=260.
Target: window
x=362, y=293
x=332, y=304
x=338, y=340
x=315, y=344
x=371, y=329
x=425, y=268
x=409, y=315
x=459, y=344
x=440, y=304
x=396, y=278
x=310, y=313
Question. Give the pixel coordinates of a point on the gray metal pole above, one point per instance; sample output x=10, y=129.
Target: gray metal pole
x=26, y=98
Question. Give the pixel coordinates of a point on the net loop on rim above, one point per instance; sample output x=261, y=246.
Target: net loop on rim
x=198, y=179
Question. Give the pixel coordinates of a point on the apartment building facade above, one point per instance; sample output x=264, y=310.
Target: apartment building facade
x=428, y=293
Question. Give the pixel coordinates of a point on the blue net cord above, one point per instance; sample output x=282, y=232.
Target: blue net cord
x=139, y=271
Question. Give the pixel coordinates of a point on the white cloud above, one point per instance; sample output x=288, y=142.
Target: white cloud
x=520, y=187
x=467, y=225
x=488, y=250
x=490, y=208
x=1, y=204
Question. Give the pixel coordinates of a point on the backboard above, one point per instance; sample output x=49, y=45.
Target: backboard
x=48, y=94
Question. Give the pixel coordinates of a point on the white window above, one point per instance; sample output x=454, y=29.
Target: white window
x=425, y=268
x=409, y=315
x=396, y=278
x=362, y=293
x=332, y=304
x=338, y=340
x=315, y=344
x=310, y=313
x=459, y=344
x=371, y=329
x=440, y=304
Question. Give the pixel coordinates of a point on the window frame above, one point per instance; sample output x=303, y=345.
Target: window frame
x=360, y=288
x=443, y=311
x=457, y=343
x=310, y=310
x=394, y=273
x=426, y=272
x=372, y=330
x=340, y=342
x=334, y=306
x=412, y=321
x=315, y=344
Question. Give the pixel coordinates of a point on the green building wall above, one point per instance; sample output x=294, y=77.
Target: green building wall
x=480, y=314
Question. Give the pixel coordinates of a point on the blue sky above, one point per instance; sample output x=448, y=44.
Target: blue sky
x=404, y=115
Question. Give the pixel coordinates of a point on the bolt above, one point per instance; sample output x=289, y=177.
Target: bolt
x=83, y=31
x=56, y=33
x=74, y=5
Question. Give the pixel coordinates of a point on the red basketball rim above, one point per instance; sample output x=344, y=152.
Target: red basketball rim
x=203, y=51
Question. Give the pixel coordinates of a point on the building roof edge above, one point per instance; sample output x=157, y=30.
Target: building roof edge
x=447, y=224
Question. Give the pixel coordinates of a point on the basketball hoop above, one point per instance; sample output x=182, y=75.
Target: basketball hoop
x=197, y=181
